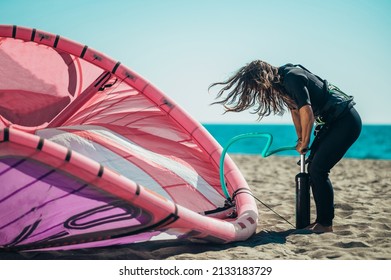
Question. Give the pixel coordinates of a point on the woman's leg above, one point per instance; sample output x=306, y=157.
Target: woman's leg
x=331, y=148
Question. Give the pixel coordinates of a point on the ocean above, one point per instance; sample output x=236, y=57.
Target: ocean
x=374, y=141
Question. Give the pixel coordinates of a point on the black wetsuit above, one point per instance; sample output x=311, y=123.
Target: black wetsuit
x=341, y=128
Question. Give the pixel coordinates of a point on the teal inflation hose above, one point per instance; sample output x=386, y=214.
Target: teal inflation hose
x=265, y=153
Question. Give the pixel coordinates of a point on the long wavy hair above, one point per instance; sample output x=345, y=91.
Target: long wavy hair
x=256, y=85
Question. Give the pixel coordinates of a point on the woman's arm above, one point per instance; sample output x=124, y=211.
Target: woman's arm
x=306, y=117
x=296, y=122
x=303, y=119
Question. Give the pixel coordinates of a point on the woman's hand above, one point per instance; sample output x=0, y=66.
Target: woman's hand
x=301, y=147
x=303, y=120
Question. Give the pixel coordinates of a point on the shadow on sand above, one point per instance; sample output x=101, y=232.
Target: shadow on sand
x=154, y=250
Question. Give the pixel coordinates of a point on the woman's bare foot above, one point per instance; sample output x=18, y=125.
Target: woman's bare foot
x=318, y=228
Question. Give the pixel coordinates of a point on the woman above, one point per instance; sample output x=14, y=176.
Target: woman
x=268, y=89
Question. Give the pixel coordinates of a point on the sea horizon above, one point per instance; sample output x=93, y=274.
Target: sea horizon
x=374, y=141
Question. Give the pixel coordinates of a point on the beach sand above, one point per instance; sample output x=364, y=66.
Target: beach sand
x=362, y=224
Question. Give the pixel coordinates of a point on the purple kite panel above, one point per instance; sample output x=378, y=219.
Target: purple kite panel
x=43, y=207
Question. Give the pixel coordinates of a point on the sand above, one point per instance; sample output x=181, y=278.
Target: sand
x=362, y=224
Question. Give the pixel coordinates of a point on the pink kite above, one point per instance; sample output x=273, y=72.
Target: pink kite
x=92, y=154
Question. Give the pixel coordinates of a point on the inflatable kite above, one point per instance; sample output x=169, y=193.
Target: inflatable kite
x=92, y=154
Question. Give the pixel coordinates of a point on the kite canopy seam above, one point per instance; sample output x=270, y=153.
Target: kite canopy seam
x=92, y=154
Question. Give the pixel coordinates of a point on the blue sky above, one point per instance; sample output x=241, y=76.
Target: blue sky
x=184, y=46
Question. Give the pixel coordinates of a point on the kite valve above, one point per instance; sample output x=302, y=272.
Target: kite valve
x=229, y=203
